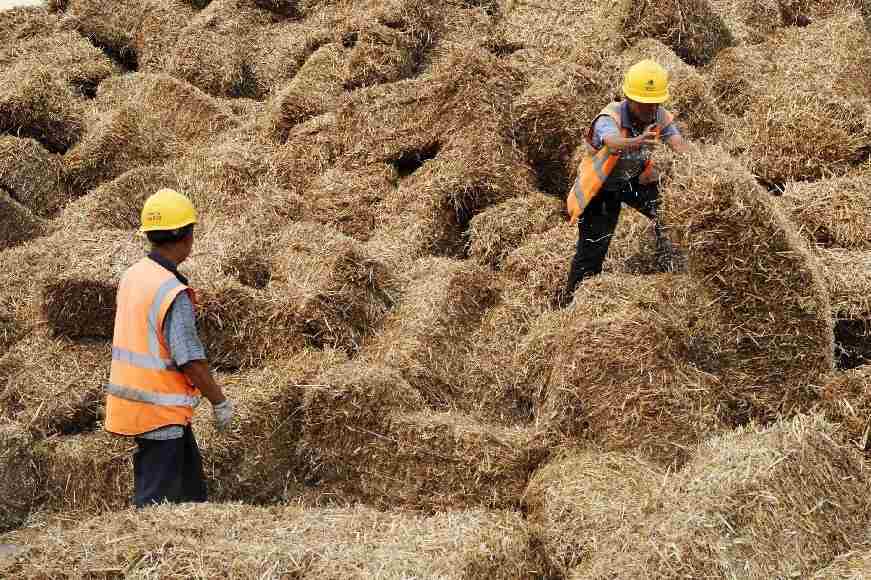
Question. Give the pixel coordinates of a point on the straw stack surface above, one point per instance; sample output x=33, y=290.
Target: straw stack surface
x=19, y=224
x=32, y=175
x=845, y=399
x=19, y=479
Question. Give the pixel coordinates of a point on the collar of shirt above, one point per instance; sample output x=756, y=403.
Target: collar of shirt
x=169, y=265
x=626, y=119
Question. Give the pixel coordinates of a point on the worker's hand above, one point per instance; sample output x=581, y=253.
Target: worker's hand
x=223, y=414
x=649, y=137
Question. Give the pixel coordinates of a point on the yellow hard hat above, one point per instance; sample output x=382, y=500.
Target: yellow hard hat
x=646, y=82
x=167, y=210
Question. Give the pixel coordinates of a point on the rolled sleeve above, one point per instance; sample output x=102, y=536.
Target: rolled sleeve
x=180, y=332
x=603, y=127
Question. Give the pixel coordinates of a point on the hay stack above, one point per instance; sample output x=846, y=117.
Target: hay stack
x=118, y=204
x=32, y=175
x=750, y=21
x=735, y=76
x=845, y=399
x=426, y=336
x=35, y=103
x=369, y=441
x=257, y=460
x=579, y=500
x=19, y=479
x=853, y=565
x=751, y=506
x=283, y=49
x=848, y=276
x=692, y=102
x=19, y=224
x=25, y=23
x=141, y=120
x=348, y=199
x=865, y=7
x=750, y=258
x=57, y=391
x=311, y=148
x=215, y=51
x=639, y=374
x=691, y=28
x=499, y=230
x=832, y=212
x=253, y=542
x=338, y=291
x=314, y=90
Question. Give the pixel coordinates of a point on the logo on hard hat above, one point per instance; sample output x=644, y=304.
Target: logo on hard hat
x=651, y=84
x=153, y=217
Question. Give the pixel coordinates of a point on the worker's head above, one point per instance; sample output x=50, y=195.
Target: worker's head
x=645, y=87
x=168, y=219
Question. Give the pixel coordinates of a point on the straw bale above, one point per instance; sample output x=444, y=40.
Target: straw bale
x=750, y=505
x=501, y=229
x=25, y=23
x=578, y=500
x=209, y=541
x=256, y=461
x=750, y=21
x=385, y=54
x=832, y=212
x=53, y=386
x=848, y=276
x=348, y=199
x=109, y=27
x=854, y=565
x=35, y=103
x=642, y=375
x=845, y=399
x=117, y=204
x=19, y=478
x=802, y=135
x=368, y=442
x=538, y=269
x=32, y=175
x=425, y=337
x=751, y=259
x=692, y=102
x=693, y=29
x=314, y=90
x=735, y=76
x=216, y=51
x=141, y=120
x=18, y=224
x=283, y=49
x=865, y=7
x=338, y=291
x=310, y=149
x=86, y=474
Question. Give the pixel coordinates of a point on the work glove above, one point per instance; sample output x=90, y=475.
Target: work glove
x=223, y=413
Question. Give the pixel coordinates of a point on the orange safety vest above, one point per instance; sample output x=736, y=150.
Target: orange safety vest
x=145, y=390
x=597, y=165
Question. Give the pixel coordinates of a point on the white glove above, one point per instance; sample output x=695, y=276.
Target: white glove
x=223, y=414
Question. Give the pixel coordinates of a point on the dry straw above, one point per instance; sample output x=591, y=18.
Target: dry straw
x=834, y=213
x=583, y=497
x=693, y=29
x=751, y=260
x=854, y=565
x=18, y=224
x=32, y=175
x=845, y=398
x=209, y=540
x=25, y=23
x=750, y=21
x=848, y=276
x=749, y=506
x=19, y=479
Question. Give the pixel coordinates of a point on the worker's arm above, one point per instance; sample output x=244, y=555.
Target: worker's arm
x=677, y=143
x=616, y=142
x=198, y=373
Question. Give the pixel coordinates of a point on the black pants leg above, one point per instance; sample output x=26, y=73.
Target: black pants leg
x=595, y=230
x=168, y=471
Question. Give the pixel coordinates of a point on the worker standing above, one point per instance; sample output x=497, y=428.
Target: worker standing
x=159, y=368
x=618, y=169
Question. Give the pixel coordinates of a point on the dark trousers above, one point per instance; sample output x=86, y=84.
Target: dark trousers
x=597, y=224
x=168, y=471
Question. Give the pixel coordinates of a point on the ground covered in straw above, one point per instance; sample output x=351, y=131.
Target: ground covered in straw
x=381, y=190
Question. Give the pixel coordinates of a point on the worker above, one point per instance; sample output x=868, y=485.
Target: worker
x=159, y=368
x=617, y=169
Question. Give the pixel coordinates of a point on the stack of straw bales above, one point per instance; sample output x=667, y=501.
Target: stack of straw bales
x=756, y=503
x=329, y=544
x=19, y=479
x=370, y=438
x=692, y=102
x=582, y=498
x=632, y=366
x=693, y=29
x=32, y=175
x=142, y=119
x=846, y=400
x=751, y=260
x=53, y=386
x=499, y=230
x=257, y=460
x=426, y=336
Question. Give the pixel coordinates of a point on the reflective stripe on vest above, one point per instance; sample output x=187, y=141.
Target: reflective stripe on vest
x=597, y=165
x=146, y=391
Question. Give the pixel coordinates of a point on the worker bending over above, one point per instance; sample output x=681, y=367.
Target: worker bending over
x=617, y=169
x=159, y=366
